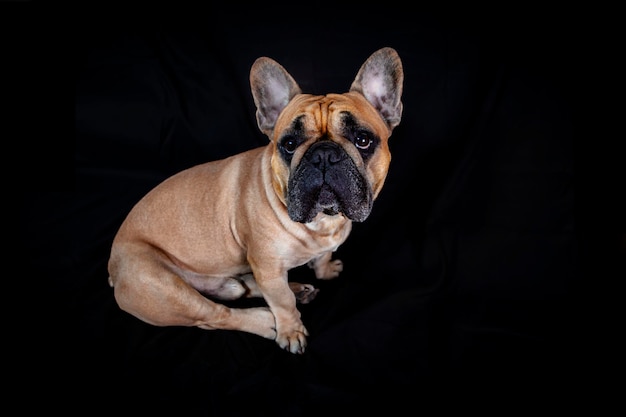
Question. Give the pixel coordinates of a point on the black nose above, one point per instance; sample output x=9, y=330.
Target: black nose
x=325, y=154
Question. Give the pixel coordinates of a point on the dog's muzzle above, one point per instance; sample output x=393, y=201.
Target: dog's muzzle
x=327, y=180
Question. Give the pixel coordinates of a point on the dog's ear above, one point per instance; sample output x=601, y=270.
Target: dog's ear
x=272, y=89
x=380, y=81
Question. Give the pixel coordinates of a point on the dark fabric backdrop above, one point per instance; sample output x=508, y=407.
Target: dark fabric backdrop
x=482, y=273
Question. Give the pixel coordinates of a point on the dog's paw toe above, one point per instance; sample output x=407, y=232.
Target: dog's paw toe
x=294, y=342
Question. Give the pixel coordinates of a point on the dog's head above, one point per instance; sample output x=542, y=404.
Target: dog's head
x=330, y=152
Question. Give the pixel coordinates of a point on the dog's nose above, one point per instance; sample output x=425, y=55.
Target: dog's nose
x=325, y=154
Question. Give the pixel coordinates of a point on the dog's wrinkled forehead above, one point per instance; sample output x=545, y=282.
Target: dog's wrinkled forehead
x=329, y=117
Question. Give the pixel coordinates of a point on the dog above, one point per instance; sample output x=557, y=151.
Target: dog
x=233, y=228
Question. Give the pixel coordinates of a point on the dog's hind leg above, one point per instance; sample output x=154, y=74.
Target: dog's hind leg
x=148, y=286
x=222, y=288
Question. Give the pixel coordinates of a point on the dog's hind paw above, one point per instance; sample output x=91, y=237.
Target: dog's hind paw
x=305, y=293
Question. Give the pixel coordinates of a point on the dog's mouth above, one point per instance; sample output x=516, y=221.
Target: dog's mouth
x=319, y=199
x=312, y=192
x=327, y=181
x=327, y=201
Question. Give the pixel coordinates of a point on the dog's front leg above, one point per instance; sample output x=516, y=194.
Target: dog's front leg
x=290, y=331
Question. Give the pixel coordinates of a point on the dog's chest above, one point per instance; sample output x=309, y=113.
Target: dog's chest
x=302, y=252
x=326, y=233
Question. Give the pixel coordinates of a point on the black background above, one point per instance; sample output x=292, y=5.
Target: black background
x=486, y=274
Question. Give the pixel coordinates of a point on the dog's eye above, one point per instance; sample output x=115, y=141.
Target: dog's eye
x=362, y=140
x=289, y=144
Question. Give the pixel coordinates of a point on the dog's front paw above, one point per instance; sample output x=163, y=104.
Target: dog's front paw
x=294, y=340
x=328, y=270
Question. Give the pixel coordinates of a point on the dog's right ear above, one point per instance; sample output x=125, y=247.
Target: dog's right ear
x=380, y=81
x=272, y=89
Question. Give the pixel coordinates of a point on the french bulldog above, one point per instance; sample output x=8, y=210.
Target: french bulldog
x=233, y=228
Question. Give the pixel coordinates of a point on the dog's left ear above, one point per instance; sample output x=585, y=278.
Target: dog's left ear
x=380, y=81
x=272, y=89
